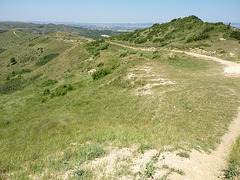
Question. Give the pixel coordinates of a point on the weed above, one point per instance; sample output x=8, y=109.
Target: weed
x=183, y=154
x=231, y=172
x=82, y=174
x=148, y=171
x=143, y=147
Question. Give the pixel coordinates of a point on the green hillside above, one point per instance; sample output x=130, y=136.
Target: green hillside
x=189, y=32
x=67, y=100
x=51, y=28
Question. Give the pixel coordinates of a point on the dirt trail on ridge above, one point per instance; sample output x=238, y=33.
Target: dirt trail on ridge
x=15, y=34
x=231, y=69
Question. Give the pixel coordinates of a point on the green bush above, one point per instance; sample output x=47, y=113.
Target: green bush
x=25, y=71
x=231, y=172
x=140, y=40
x=49, y=82
x=208, y=29
x=235, y=35
x=104, y=47
x=158, y=40
x=46, y=92
x=62, y=90
x=100, y=73
x=46, y=59
x=100, y=64
x=199, y=37
x=31, y=45
x=13, y=61
x=123, y=54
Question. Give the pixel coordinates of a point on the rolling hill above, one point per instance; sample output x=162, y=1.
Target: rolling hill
x=76, y=108
x=51, y=28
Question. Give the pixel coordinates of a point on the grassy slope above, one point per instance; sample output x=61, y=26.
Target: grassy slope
x=51, y=28
x=213, y=38
x=36, y=137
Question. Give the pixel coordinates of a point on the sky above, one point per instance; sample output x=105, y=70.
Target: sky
x=118, y=11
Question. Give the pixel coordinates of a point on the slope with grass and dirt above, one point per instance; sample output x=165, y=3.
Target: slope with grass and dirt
x=74, y=108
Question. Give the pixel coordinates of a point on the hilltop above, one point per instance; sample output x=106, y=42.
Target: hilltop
x=73, y=107
x=189, y=32
x=51, y=28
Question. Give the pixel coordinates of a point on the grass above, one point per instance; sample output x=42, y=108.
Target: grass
x=49, y=139
x=232, y=169
x=183, y=154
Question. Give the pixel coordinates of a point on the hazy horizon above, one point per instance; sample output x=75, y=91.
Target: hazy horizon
x=125, y=11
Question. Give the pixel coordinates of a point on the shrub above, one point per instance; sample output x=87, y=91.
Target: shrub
x=13, y=61
x=46, y=59
x=62, y=90
x=231, y=172
x=123, y=54
x=100, y=64
x=198, y=37
x=208, y=29
x=100, y=73
x=43, y=100
x=158, y=40
x=49, y=82
x=140, y=40
x=25, y=71
x=46, y=92
x=96, y=53
x=105, y=46
x=235, y=35
x=31, y=45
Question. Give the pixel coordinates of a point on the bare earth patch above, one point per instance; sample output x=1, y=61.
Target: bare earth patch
x=151, y=77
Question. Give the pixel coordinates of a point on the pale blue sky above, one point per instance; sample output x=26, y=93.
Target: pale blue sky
x=118, y=11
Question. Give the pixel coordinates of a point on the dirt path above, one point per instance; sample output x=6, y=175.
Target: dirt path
x=206, y=166
x=15, y=34
x=231, y=69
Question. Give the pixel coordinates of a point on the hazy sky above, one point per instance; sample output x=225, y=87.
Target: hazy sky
x=118, y=11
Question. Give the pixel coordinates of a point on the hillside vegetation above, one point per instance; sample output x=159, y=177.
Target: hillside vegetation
x=67, y=100
x=215, y=39
x=51, y=28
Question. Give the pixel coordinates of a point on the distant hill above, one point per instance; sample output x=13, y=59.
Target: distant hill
x=50, y=28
